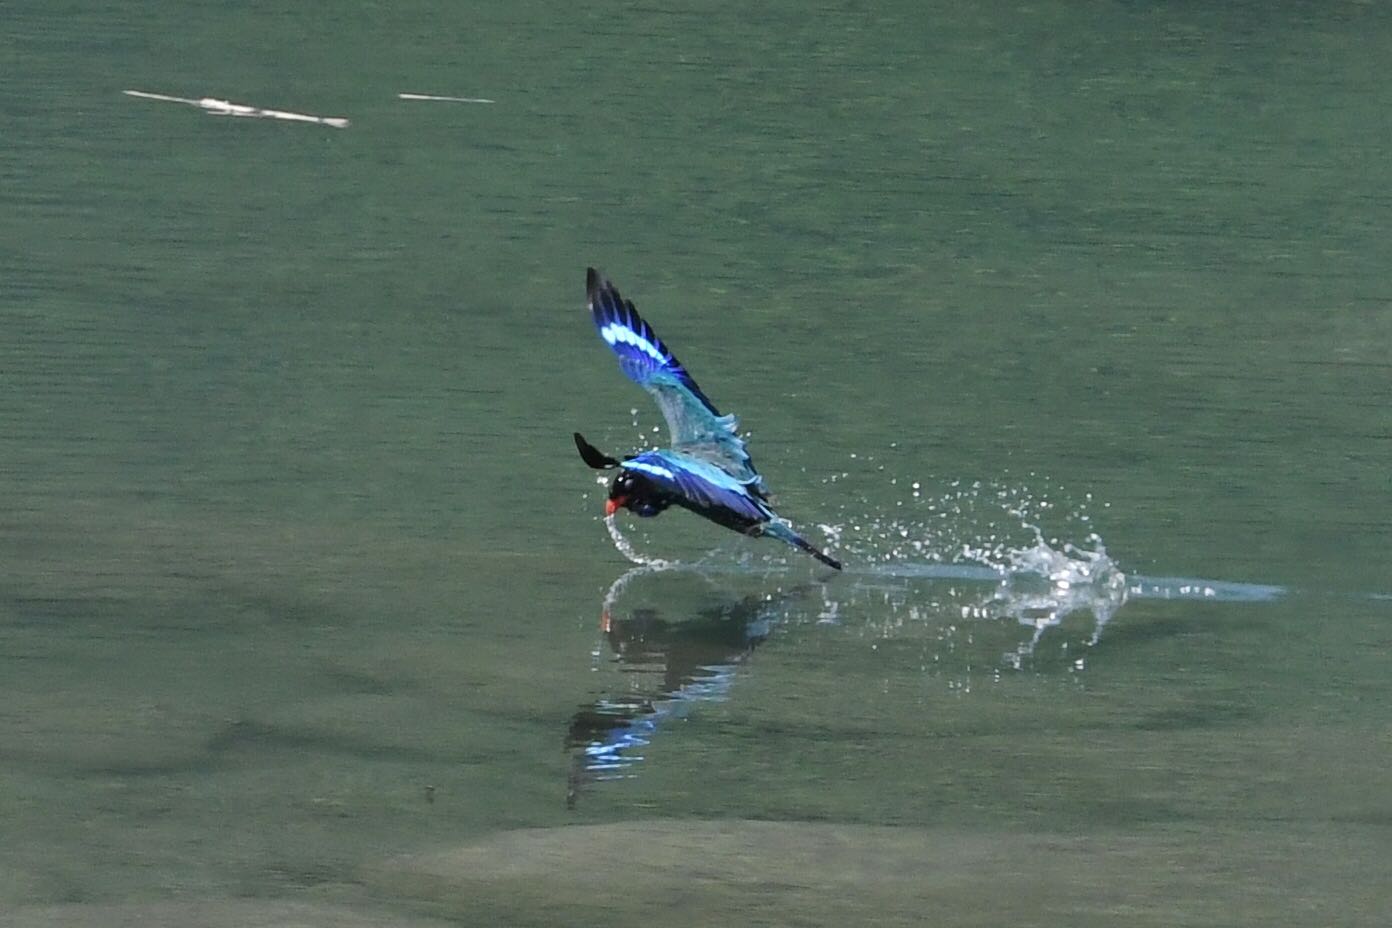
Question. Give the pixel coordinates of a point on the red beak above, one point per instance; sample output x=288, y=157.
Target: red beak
x=611, y=506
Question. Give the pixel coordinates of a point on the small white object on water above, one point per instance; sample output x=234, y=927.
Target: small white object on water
x=215, y=107
x=431, y=96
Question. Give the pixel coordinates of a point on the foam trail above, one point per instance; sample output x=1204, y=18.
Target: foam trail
x=1137, y=587
x=1219, y=591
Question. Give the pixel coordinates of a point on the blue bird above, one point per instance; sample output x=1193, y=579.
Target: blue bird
x=707, y=469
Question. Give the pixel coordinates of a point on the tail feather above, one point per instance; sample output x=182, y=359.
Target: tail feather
x=592, y=455
x=784, y=532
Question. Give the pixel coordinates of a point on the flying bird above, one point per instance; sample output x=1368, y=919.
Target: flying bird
x=707, y=468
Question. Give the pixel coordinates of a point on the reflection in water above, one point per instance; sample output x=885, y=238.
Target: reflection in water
x=1036, y=584
x=674, y=664
x=671, y=666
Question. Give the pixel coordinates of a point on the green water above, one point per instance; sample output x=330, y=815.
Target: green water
x=303, y=575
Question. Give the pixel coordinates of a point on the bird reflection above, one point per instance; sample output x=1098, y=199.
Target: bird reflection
x=673, y=667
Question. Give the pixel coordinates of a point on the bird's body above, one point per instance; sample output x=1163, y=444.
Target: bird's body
x=707, y=469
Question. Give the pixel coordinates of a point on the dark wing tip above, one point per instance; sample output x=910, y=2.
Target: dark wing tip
x=595, y=281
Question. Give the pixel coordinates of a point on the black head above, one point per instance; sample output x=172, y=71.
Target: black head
x=636, y=493
x=630, y=489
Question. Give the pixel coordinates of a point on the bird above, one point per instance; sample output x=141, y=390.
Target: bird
x=707, y=468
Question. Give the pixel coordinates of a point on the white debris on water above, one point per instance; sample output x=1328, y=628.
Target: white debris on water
x=215, y=107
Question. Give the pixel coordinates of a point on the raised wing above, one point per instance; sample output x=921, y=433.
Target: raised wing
x=697, y=427
x=701, y=483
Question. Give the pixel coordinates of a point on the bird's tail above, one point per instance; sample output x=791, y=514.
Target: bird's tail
x=784, y=532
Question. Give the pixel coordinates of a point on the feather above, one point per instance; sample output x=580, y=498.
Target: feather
x=695, y=425
x=699, y=485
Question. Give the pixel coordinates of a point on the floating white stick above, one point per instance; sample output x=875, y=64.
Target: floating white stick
x=214, y=107
x=429, y=96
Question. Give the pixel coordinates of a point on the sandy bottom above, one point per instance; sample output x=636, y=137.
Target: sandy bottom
x=699, y=873
x=212, y=913
x=765, y=873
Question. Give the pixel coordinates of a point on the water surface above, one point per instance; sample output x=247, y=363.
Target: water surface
x=305, y=582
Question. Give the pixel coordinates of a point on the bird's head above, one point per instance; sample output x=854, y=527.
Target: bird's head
x=636, y=493
x=630, y=489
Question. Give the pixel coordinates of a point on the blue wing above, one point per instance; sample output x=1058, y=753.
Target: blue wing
x=697, y=427
x=700, y=482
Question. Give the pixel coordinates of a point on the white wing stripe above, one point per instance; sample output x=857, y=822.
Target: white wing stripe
x=617, y=332
x=656, y=469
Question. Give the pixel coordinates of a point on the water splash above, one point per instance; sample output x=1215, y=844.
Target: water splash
x=980, y=521
x=1042, y=586
x=1034, y=545
x=991, y=531
x=622, y=543
x=627, y=550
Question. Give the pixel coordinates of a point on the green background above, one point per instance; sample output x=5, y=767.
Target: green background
x=294, y=529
